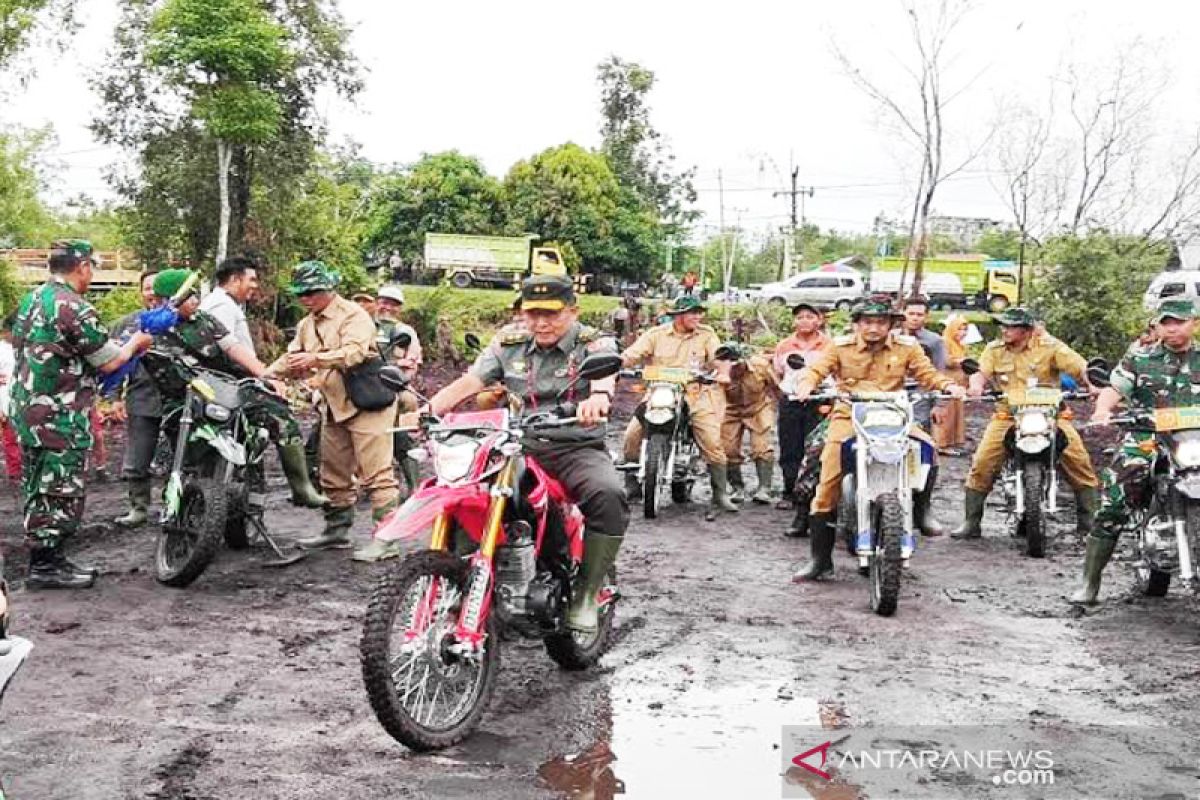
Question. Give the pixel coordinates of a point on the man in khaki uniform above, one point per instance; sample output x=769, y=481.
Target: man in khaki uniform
x=750, y=405
x=1023, y=358
x=686, y=343
x=336, y=335
x=869, y=360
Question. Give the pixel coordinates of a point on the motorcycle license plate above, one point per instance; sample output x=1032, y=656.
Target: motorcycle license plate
x=667, y=374
x=1042, y=396
x=1176, y=419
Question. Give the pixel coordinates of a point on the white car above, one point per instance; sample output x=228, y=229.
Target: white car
x=1178, y=285
x=824, y=289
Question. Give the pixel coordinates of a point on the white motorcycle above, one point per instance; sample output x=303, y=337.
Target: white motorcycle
x=877, y=494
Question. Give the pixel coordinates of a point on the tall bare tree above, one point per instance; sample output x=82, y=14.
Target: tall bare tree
x=920, y=111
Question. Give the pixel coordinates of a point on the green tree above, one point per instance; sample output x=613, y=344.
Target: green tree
x=24, y=219
x=20, y=19
x=1004, y=245
x=225, y=58
x=569, y=194
x=636, y=150
x=1089, y=291
x=442, y=193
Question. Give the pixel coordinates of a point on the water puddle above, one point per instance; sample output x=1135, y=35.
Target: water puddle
x=689, y=738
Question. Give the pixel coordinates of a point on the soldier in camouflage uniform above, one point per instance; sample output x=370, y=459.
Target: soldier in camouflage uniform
x=61, y=346
x=203, y=338
x=539, y=365
x=1165, y=374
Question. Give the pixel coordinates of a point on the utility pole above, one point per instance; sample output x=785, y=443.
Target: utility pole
x=790, y=244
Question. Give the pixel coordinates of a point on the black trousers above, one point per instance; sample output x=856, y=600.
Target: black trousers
x=796, y=423
x=587, y=472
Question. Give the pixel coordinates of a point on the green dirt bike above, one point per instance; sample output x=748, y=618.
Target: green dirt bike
x=216, y=489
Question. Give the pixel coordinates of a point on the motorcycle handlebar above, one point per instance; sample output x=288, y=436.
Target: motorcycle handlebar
x=698, y=376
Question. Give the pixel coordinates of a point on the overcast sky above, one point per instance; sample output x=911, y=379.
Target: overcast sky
x=742, y=88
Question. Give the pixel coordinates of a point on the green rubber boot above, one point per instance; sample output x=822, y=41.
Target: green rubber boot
x=1099, y=551
x=737, y=483
x=599, y=554
x=295, y=467
x=972, y=516
x=766, y=475
x=1087, y=503
x=337, y=530
x=718, y=476
x=139, y=504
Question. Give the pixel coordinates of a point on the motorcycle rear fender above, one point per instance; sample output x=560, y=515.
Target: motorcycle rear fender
x=468, y=505
x=16, y=650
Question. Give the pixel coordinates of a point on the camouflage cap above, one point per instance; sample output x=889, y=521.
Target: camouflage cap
x=731, y=351
x=1015, y=317
x=685, y=305
x=871, y=308
x=169, y=281
x=313, y=276
x=548, y=292
x=1175, y=309
x=75, y=249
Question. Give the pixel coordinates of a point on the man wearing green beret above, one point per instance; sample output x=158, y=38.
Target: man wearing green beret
x=202, y=337
x=1164, y=374
x=61, y=346
x=335, y=336
x=1021, y=359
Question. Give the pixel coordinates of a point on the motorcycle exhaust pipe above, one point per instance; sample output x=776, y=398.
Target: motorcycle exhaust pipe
x=1185, y=553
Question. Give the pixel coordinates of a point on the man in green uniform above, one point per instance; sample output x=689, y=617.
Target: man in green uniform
x=538, y=365
x=1165, y=374
x=61, y=346
x=203, y=338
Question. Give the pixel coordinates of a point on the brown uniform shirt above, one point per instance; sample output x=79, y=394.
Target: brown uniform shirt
x=751, y=388
x=1040, y=363
x=341, y=335
x=858, y=368
x=663, y=346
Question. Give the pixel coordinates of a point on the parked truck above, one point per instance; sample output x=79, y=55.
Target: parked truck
x=497, y=261
x=967, y=281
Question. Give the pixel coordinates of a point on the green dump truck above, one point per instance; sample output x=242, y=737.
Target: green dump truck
x=497, y=261
x=952, y=281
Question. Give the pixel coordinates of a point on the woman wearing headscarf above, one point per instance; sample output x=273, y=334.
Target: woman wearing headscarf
x=949, y=430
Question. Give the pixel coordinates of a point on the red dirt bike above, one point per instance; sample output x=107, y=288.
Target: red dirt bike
x=505, y=551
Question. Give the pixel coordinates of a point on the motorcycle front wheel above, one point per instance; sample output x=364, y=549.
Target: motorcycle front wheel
x=426, y=695
x=658, y=450
x=573, y=650
x=1034, y=521
x=886, y=562
x=189, y=541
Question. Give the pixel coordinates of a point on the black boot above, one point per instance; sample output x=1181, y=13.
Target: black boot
x=48, y=569
x=972, y=516
x=923, y=516
x=799, y=526
x=821, y=535
x=737, y=484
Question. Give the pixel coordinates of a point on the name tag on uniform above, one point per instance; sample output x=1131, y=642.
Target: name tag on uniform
x=518, y=366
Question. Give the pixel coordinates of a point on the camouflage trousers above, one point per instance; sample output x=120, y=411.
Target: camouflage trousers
x=810, y=463
x=1124, y=486
x=52, y=487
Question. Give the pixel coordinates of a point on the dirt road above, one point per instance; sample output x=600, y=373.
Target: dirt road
x=247, y=685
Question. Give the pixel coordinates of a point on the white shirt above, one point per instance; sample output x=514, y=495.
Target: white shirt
x=229, y=313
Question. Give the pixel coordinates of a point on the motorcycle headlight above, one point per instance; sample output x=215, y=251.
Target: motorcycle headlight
x=216, y=412
x=889, y=452
x=1187, y=453
x=661, y=397
x=1032, y=444
x=1033, y=424
x=453, y=460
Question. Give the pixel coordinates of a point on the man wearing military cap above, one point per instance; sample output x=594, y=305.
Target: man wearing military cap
x=1165, y=374
x=685, y=342
x=539, y=365
x=389, y=303
x=750, y=407
x=202, y=337
x=1021, y=359
x=335, y=336
x=61, y=346
x=869, y=360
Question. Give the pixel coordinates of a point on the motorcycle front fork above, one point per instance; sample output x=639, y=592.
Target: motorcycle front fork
x=470, y=628
x=1050, y=502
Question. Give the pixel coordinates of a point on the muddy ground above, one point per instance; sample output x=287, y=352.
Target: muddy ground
x=247, y=684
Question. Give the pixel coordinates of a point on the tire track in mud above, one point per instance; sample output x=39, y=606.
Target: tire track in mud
x=177, y=775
